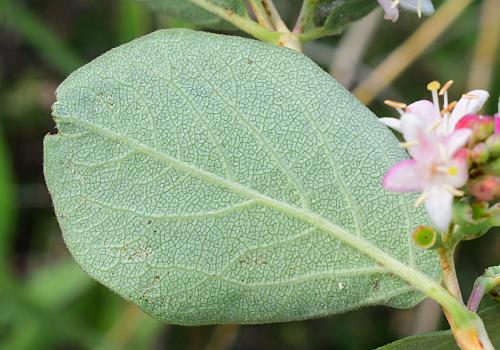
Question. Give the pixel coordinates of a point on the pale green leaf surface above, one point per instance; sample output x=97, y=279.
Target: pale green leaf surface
x=186, y=11
x=182, y=160
x=444, y=340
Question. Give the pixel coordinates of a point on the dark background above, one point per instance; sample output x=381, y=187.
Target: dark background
x=46, y=302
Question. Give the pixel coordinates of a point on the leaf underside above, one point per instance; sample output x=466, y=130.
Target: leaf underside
x=170, y=150
x=186, y=11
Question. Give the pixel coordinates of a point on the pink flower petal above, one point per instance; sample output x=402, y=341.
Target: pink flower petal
x=403, y=177
x=415, y=130
x=456, y=140
x=412, y=5
x=458, y=173
x=393, y=123
x=424, y=109
x=439, y=205
x=412, y=126
x=497, y=124
x=390, y=12
x=467, y=105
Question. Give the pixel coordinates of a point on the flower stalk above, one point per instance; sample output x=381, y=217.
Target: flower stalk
x=446, y=259
x=487, y=283
x=270, y=27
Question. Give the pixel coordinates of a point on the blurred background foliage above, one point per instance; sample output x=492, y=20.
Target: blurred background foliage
x=47, y=302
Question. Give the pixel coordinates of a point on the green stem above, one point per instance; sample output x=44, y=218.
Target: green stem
x=306, y=16
x=316, y=33
x=243, y=23
x=275, y=16
x=489, y=282
x=446, y=259
x=261, y=15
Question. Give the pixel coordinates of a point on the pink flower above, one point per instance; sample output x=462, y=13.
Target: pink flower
x=441, y=120
x=437, y=168
x=391, y=11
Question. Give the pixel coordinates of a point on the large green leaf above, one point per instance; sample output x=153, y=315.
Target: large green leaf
x=444, y=340
x=191, y=173
x=187, y=11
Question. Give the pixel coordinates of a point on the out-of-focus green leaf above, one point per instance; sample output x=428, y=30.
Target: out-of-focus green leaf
x=7, y=212
x=444, y=340
x=43, y=325
x=191, y=171
x=134, y=20
x=56, y=285
x=132, y=329
x=16, y=16
x=186, y=11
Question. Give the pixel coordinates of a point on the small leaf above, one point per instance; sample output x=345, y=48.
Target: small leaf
x=332, y=17
x=186, y=11
x=191, y=170
x=444, y=340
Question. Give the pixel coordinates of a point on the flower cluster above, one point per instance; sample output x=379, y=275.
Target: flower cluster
x=391, y=11
x=439, y=140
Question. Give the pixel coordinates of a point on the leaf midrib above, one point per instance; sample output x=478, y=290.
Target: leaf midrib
x=405, y=272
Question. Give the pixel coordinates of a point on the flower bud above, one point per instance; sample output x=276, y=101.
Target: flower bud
x=484, y=187
x=462, y=213
x=482, y=126
x=427, y=237
x=464, y=154
x=480, y=154
x=493, y=144
x=491, y=168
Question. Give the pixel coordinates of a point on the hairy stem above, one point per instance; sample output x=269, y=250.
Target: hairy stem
x=275, y=16
x=281, y=37
x=489, y=282
x=449, y=272
x=243, y=23
x=306, y=16
x=475, y=297
x=261, y=14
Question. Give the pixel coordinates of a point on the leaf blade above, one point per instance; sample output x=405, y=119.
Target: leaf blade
x=264, y=253
x=444, y=340
x=186, y=11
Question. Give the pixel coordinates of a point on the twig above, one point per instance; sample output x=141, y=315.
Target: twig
x=261, y=14
x=449, y=273
x=275, y=16
x=305, y=16
x=351, y=48
x=481, y=72
x=410, y=50
x=489, y=282
x=243, y=23
x=223, y=337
